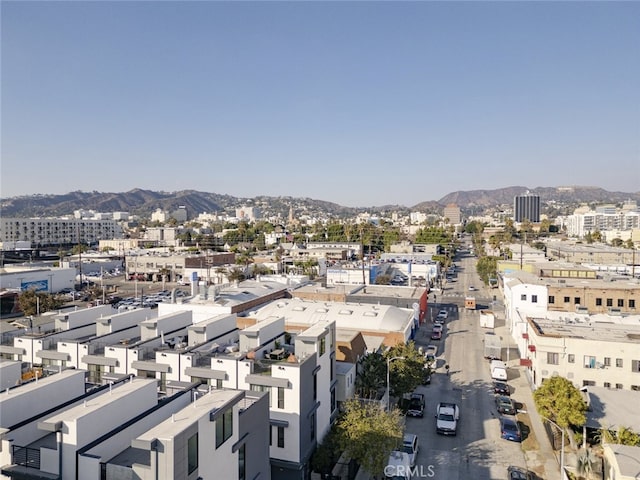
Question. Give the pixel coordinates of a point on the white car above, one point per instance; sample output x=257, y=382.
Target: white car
x=410, y=447
x=443, y=314
x=471, y=288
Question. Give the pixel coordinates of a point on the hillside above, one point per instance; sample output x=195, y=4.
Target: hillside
x=144, y=202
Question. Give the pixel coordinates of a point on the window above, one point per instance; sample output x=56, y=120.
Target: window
x=552, y=358
x=619, y=362
x=607, y=361
x=270, y=435
x=242, y=463
x=333, y=399
x=280, y=397
x=576, y=300
x=192, y=453
x=261, y=388
x=635, y=365
x=609, y=302
x=224, y=427
x=280, y=437
x=534, y=298
x=571, y=358
x=621, y=302
x=315, y=386
x=589, y=361
x=523, y=297
x=635, y=388
x=323, y=345
x=552, y=299
x=619, y=386
x=312, y=426
x=632, y=303
x=607, y=385
x=598, y=302
x=567, y=299
x=588, y=383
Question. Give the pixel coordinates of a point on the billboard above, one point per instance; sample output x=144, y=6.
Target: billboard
x=37, y=285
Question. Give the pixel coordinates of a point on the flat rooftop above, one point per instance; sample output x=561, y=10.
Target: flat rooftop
x=602, y=327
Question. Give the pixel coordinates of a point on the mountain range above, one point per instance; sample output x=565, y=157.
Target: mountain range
x=144, y=202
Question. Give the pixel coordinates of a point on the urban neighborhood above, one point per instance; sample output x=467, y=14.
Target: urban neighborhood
x=452, y=342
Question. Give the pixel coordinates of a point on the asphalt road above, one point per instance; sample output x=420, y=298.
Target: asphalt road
x=477, y=451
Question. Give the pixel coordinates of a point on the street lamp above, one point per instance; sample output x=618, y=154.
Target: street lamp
x=561, y=446
x=389, y=360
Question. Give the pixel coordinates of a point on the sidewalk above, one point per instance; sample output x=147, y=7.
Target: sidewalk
x=543, y=461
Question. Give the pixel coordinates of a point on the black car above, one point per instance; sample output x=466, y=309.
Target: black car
x=501, y=388
x=505, y=405
x=517, y=473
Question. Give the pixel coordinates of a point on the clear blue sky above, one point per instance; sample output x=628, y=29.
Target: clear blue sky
x=359, y=103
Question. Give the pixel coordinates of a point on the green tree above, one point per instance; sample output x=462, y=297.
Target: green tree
x=487, y=268
x=236, y=275
x=383, y=279
x=617, y=242
x=372, y=377
x=622, y=436
x=368, y=434
x=405, y=375
x=327, y=454
x=474, y=227
x=561, y=402
x=34, y=303
x=545, y=225
x=629, y=244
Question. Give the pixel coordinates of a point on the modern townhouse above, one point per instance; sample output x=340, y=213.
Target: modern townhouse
x=123, y=431
x=46, y=446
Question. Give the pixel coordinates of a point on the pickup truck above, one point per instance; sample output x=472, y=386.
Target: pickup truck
x=447, y=416
x=416, y=405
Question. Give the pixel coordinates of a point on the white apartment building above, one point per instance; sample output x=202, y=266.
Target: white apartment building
x=579, y=224
x=58, y=231
x=589, y=350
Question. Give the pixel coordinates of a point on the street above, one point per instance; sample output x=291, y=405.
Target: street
x=477, y=451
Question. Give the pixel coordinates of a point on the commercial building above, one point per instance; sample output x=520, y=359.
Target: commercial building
x=589, y=350
x=43, y=232
x=526, y=207
x=453, y=214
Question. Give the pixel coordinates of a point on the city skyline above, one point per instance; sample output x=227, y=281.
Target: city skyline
x=357, y=103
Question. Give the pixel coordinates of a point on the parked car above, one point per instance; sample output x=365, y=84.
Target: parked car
x=501, y=388
x=426, y=376
x=430, y=355
x=398, y=466
x=436, y=335
x=504, y=405
x=410, y=447
x=517, y=473
x=509, y=429
x=443, y=314
x=416, y=405
x=471, y=288
x=437, y=327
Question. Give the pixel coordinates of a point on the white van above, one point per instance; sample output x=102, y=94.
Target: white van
x=498, y=370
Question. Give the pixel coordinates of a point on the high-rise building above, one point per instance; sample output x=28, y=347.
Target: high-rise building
x=452, y=212
x=526, y=207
